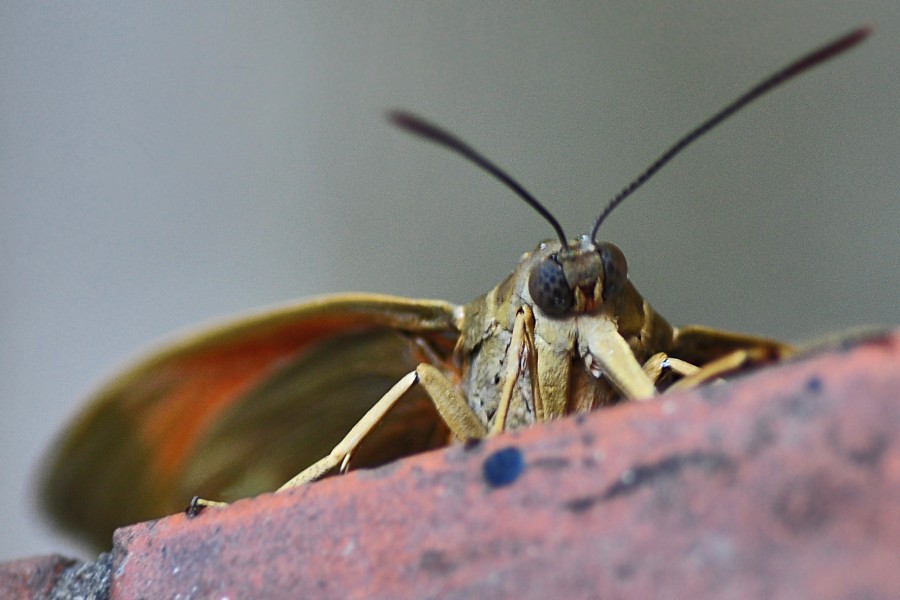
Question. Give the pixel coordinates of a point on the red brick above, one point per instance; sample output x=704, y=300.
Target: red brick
x=31, y=578
x=781, y=484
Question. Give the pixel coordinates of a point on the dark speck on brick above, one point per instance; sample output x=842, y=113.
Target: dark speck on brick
x=866, y=452
x=814, y=385
x=472, y=443
x=436, y=562
x=803, y=407
x=582, y=504
x=624, y=571
x=668, y=468
x=806, y=503
x=871, y=454
x=503, y=466
x=763, y=435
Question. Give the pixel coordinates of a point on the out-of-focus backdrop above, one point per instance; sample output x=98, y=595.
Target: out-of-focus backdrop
x=164, y=164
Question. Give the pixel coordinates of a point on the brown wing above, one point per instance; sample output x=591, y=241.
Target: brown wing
x=239, y=408
x=699, y=345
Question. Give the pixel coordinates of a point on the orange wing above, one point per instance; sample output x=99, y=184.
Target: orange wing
x=237, y=409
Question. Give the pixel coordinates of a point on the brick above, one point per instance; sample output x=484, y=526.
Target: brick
x=784, y=483
x=781, y=484
x=31, y=578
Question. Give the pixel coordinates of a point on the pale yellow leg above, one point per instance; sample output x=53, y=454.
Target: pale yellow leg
x=659, y=361
x=450, y=403
x=512, y=370
x=654, y=366
x=719, y=367
x=614, y=358
x=540, y=411
x=682, y=367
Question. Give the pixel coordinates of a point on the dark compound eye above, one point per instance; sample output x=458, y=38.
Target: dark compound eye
x=615, y=269
x=549, y=289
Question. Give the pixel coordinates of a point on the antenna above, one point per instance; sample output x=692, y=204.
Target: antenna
x=423, y=128
x=812, y=59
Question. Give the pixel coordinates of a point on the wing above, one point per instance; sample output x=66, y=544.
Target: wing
x=239, y=408
x=699, y=345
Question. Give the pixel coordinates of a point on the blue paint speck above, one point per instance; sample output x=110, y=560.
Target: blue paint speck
x=814, y=385
x=504, y=466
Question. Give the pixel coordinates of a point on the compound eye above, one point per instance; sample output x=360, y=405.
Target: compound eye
x=549, y=289
x=615, y=269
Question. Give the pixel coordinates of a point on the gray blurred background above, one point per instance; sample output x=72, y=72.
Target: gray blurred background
x=162, y=165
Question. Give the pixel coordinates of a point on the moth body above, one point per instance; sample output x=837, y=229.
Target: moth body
x=566, y=367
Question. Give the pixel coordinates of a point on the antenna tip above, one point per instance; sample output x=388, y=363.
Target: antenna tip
x=404, y=119
x=417, y=125
x=866, y=29
x=859, y=34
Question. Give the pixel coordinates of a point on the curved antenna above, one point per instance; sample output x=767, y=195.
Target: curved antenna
x=807, y=62
x=423, y=128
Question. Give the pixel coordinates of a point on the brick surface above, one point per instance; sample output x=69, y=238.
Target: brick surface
x=31, y=578
x=781, y=484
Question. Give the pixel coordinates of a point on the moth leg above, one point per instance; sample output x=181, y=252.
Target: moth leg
x=522, y=341
x=682, y=367
x=451, y=404
x=660, y=361
x=610, y=355
x=341, y=453
x=721, y=366
x=199, y=504
x=448, y=400
x=654, y=366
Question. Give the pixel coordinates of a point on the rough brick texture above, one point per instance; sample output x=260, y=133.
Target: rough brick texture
x=31, y=578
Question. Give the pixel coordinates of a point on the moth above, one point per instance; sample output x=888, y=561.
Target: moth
x=358, y=380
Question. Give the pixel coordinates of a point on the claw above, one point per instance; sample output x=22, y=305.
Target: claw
x=198, y=504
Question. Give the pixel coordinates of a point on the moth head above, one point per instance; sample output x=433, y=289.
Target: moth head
x=577, y=279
